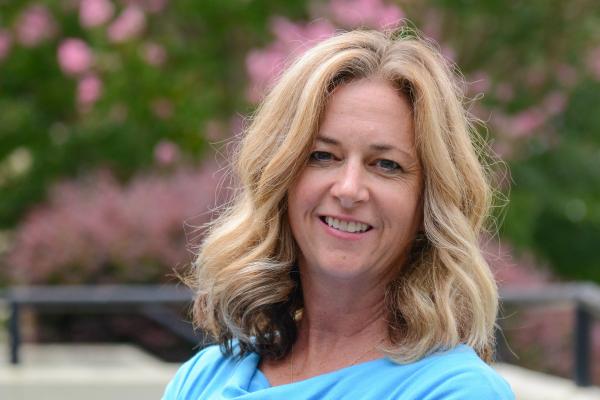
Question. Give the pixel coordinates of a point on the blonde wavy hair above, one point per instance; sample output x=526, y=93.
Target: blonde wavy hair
x=245, y=276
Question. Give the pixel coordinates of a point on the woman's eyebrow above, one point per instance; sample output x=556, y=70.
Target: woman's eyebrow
x=388, y=147
x=327, y=140
x=375, y=146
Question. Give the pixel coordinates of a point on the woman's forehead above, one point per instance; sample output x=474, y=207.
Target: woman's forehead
x=371, y=109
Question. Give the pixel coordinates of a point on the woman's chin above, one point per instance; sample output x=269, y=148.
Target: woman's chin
x=344, y=271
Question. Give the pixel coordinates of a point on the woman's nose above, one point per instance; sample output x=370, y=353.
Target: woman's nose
x=350, y=187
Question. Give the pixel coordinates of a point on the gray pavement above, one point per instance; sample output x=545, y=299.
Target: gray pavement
x=74, y=371
x=531, y=385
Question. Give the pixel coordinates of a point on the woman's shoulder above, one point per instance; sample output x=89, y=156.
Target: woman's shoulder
x=459, y=373
x=200, y=370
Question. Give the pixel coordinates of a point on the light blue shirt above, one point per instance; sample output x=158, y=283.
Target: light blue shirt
x=457, y=374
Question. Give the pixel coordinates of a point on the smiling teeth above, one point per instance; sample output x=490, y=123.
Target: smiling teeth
x=345, y=226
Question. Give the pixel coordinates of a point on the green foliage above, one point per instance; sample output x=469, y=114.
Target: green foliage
x=555, y=202
x=201, y=80
x=538, y=49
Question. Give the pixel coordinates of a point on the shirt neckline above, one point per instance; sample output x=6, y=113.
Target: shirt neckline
x=260, y=375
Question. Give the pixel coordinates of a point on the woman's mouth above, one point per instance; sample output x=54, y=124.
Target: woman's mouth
x=345, y=226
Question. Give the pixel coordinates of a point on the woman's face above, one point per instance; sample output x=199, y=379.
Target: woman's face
x=356, y=206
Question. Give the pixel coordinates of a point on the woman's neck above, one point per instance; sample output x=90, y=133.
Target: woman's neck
x=342, y=324
x=342, y=308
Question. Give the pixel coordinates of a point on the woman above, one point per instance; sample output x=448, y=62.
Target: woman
x=348, y=265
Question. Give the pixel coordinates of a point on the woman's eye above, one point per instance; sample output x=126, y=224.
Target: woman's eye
x=388, y=165
x=321, y=156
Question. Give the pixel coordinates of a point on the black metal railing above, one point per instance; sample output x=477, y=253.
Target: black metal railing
x=154, y=302
x=585, y=300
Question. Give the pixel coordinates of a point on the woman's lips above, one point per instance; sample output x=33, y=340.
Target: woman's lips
x=342, y=228
x=346, y=225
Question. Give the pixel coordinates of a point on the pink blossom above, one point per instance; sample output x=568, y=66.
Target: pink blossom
x=522, y=124
x=35, y=25
x=166, y=153
x=479, y=111
x=236, y=125
x=433, y=24
x=162, y=108
x=5, y=43
x=593, y=62
x=448, y=52
x=504, y=92
x=567, y=75
x=95, y=12
x=480, y=82
x=510, y=270
x=500, y=121
x=151, y=6
x=554, y=103
x=155, y=6
x=287, y=31
x=89, y=90
x=503, y=149
x=262, y=67
x=154, y=54
x=291, y=41
x=74, y=56
x=527, y=122
x=213, y=130
x=389, y=16
x=369, y=13
x=297, y=38
x=129, y=24
x=535, y=77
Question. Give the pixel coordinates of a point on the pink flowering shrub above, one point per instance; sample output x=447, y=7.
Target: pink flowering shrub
x=292, y=38
x=529, y=121
x=95, y=230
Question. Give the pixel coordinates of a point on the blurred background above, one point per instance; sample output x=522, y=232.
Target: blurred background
x=115, y=119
